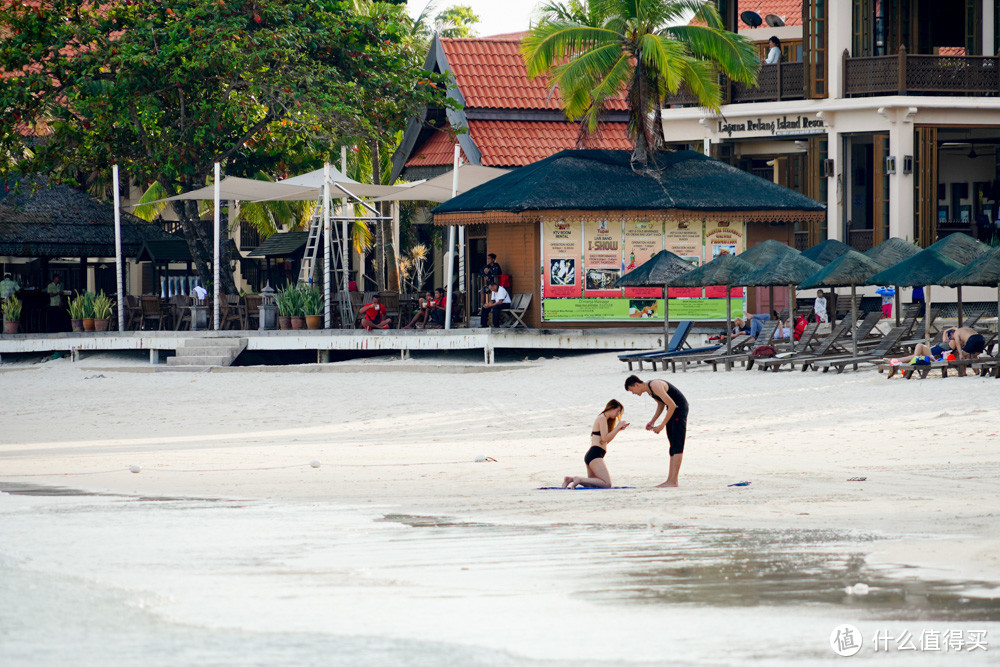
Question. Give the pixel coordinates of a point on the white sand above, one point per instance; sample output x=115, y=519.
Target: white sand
x=409, y=439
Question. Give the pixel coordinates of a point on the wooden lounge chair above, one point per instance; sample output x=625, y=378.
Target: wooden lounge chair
x=960, y=366
x=677, y=342
x=518, y=307
x=800, y=347
x=885, y=347
x=152, y=312
x=741, y=353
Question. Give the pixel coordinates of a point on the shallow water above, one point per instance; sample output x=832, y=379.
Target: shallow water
x=105, y=579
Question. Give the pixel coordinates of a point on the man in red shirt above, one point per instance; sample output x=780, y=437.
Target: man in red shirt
x=437, y=314
x=373, y=315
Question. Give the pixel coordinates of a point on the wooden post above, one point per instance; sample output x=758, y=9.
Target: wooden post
x=901, y=70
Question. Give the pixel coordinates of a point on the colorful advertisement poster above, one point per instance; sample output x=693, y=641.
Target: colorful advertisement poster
x=602, y=257
x=561, y=255
x=632, y=309
x=642, y=239
x=685, y=240
x=723, y=238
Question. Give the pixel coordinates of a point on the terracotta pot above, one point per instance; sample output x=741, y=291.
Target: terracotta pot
x=100, y=325
x=298, y=322
x=77, y=325
x=88, y=324
x=10, y=327
x=314, y=321
x=284, y=322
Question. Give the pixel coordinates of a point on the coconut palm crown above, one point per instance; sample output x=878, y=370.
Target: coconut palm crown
x=593, y=50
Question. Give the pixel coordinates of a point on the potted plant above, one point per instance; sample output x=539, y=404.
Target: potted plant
x=88, y=311
x=284, y=302
x=103, y=305
x=76, y=310
x=312, y=307
x=11, y=314
x=298, y=314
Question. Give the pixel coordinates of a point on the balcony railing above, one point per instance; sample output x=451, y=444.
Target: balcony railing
x=861, y=239
x=905, y=74
x=783, y=81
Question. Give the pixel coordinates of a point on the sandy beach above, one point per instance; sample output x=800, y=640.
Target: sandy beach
x=402, y=438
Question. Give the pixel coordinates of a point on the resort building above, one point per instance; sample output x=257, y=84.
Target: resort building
x=886, y=111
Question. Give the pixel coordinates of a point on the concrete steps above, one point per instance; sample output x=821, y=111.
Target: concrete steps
x=202, y=353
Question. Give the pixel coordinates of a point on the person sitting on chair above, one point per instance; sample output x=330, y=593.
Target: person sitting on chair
x=499, y=301
x=440, y=307
x=423, y=313
x=968, y=343
x=373, y=315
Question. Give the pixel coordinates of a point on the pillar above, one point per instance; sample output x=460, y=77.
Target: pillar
x=835, y=186
x=901, y=186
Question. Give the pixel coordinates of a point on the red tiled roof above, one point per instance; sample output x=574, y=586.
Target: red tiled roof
x=438, y=150
x=789, y=11
x=515, y=143
x=491, y=75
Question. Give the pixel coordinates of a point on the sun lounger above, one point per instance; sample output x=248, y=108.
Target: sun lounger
x=801, y=348
x=960, y=366
x=677, y=342
x=885, y=347
x=740, y=355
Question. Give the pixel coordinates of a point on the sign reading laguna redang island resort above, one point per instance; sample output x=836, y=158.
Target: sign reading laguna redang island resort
x=582, y=258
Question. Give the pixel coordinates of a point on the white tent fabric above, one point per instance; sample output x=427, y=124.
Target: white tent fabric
x=439, y=188
x=247, y=189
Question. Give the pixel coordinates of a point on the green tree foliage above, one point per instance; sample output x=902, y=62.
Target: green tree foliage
x=167, y=88
x=593, y=50
x=457, y=21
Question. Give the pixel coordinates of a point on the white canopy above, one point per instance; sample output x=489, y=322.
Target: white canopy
x=247, y=189
x=439, y=188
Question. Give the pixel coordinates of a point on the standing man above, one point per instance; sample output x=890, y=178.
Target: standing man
x=491, y=271
x=8, y=287
x=54, y=290
x=499, y=301
x=670, y=398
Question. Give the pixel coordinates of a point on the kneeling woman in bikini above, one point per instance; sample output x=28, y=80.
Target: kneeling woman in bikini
x=607, y=425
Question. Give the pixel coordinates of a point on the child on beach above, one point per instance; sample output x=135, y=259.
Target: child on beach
x=607, y=425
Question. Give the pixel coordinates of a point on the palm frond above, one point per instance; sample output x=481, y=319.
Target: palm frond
x=736, y=55
x=145, y=209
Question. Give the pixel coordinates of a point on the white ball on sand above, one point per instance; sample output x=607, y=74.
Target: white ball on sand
x=480, y=458
x=135, y=468
x=857, y=589
x=314, y=463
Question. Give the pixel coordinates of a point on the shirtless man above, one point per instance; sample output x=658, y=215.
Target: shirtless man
x=968, y=343
x=935, y=351
x=670, y=398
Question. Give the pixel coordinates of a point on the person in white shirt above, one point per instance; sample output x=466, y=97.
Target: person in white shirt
x=819, y=305
x=499, y=301
x=774, y=54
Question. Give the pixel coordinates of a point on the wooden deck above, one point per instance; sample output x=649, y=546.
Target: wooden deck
x=324, y=341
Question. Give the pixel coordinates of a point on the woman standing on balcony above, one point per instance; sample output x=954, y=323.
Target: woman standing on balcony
x=774, y=54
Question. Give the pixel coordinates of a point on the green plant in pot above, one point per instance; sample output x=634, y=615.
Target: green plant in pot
x=312, y=307
x=103, y=305
x=296, y=296
x=77, y=308
x=11, y=314
x=88, y=311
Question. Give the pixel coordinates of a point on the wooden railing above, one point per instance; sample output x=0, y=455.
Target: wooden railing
x=905, y=74
x=801, y=241
x=861, y=239
x=784, y=81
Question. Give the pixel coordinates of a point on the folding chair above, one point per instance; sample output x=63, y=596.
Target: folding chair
x=518, y=307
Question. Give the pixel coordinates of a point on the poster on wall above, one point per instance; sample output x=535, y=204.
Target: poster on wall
x=723, y=238
x=624, y=309
x=685, y=240
x=642, y=239
x=561, y=254
x=602, y=257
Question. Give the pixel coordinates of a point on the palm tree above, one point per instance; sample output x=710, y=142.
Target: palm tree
x=594, y=50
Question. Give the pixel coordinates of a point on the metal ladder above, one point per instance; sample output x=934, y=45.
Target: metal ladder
x=307, y=272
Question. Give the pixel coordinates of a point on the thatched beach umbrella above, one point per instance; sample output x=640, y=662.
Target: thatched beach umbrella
x=928, y=267
x=983, y=271
x=785, y=270
x=963, y=249
x=890, y=252
x=659, y=270
x=764, y=252
x=850, y=269
x=726, y=270
x=826, y=251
